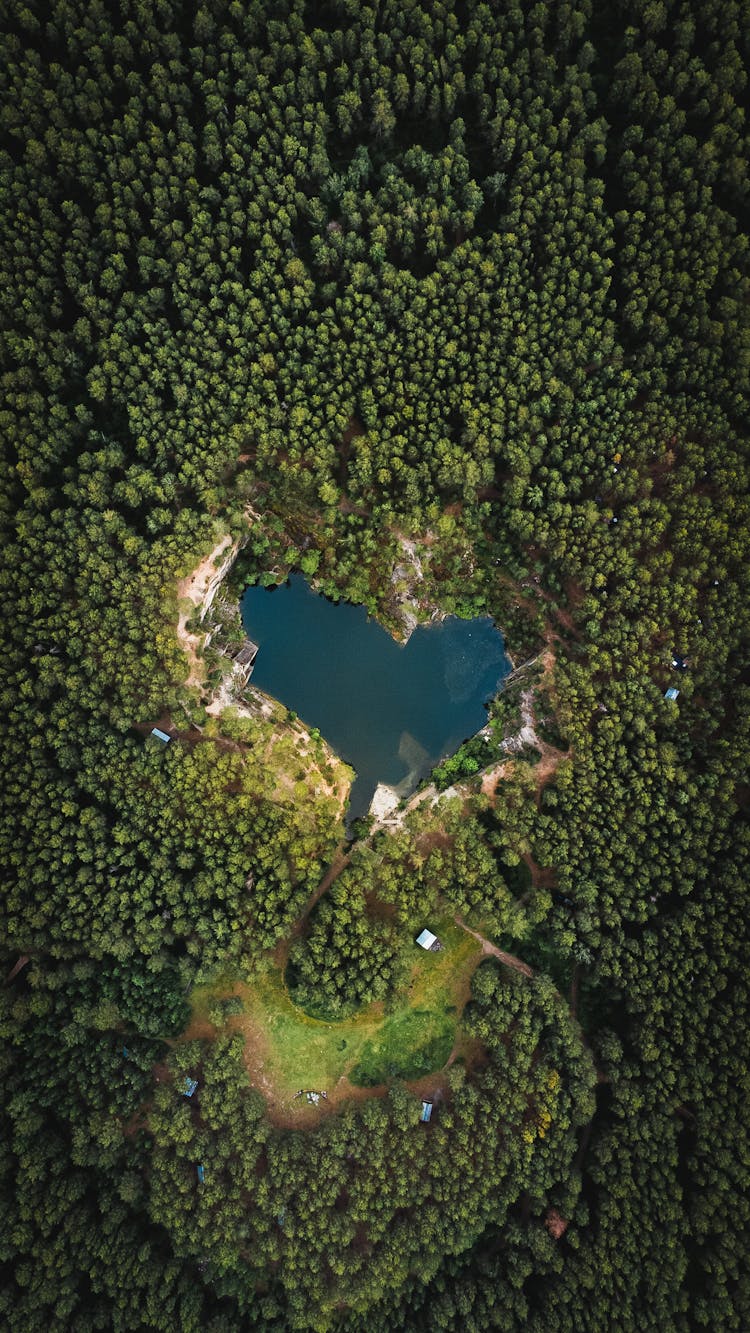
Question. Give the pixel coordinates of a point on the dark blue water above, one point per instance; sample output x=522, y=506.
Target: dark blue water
x=390, y=710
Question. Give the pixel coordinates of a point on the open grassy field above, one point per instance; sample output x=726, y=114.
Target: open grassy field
x=287, y=1051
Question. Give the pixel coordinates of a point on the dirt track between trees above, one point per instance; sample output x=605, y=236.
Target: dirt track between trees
x=491, y=950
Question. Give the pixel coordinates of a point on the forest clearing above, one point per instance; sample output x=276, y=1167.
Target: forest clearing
x=418, y=1033
x=287, y=1049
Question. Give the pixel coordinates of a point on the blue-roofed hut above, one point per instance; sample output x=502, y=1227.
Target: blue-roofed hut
x=200, y=1172
x=671, y=693
x=426, y=1112
x=189, y=1087
x=160, y=735
x=426, y=940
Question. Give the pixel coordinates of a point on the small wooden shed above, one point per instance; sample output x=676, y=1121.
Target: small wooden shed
x=244, y=660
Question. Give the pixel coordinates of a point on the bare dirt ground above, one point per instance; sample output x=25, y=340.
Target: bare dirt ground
x=542, y=877
x=255, y=1054
x=199, y=589
x=493, y=776
x=339, y=863
x=303, y=1115
x=316, y=769
x=555, y=1223
x=18, y=966
x=547, y=767
x=490, y=949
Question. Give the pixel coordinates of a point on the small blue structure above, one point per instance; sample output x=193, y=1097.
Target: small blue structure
x=671, y=693
x=160, y=735
x=125, y=1052
x=426, y=1112
x=200, y=1173
x=426, y=940
x=190, y=1086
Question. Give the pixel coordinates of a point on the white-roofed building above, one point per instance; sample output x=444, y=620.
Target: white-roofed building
x=426, y=940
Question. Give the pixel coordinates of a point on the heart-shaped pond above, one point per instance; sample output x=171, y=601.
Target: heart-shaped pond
x=390, y=710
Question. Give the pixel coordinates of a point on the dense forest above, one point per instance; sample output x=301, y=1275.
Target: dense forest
x=321, y=276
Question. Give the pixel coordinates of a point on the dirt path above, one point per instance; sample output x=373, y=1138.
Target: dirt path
x=547, y=767
x=542, y=877
x=489, y=949
x=509, y=960
x=491, y=778
x=340, y=861
x=22, y=961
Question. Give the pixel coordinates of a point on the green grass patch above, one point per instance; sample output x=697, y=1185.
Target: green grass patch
x=409, y=1044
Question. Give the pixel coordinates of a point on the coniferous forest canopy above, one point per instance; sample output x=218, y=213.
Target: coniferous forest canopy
x=323, y=277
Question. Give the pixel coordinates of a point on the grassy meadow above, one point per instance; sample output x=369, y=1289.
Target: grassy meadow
x=288, y=1051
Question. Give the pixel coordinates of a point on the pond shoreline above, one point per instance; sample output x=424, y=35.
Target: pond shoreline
x=200, y=589
x=390, y=710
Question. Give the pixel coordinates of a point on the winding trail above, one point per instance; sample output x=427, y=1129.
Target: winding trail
x=340, y=861
x=490, y=949
x=22, y=961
